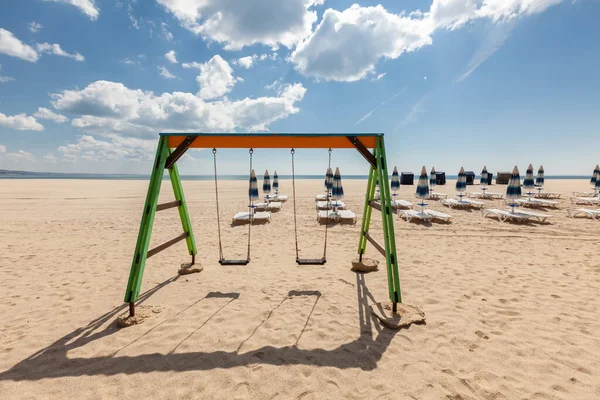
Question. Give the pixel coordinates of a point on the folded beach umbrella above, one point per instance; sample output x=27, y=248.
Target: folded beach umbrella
x=395, y=184
x=528, y=182
x=267, y=183
x=483, y=181
x=276, y=183
x=513, y=190
x=337, y=190
x=539, y=181
x=328, y=180
x=595, y=175
x=432, y=179
x=422, y=188
x=461, y=183
x=253, y=189
x=597, y=186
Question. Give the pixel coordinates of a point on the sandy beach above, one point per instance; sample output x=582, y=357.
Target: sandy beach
x=512, y=309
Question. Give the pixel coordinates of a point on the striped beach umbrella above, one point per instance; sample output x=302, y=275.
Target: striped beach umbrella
x=276, y=183
x=267, y=183
x=395, y=184
x=513, y=190
x=422, y=188
x=461, y=183
x=528, y=182
x=597, y=186
x=483, y=181
x=539, y=181
x=595, y=175
x=432, y=180
x=253, y=189
x=337, y=190
x=328, y=181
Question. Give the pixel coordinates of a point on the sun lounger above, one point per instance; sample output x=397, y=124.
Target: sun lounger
x=463, y=203
x=409, y=215
x=270, y=206
x=585, y=194
x=590, y=212
x=590, y=201
x=324, y=205
x=547, y=195
x=537, y=202
x=398, y=203
x=437, y=196
x=245, y=216
x=342, y=216
x=282, y=198
x=438, y=215
x=519, y=216
x=321, y=197
x=486, y=195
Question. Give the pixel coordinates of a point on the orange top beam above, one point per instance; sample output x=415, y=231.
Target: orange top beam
x=273, y=141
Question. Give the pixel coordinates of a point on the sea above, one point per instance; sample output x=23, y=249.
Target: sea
x=127, y=177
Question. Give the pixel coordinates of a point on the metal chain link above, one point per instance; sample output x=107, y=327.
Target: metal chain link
x=217, y=199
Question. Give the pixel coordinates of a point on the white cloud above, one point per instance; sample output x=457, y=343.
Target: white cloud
x=11, y=46
x=2, y=148
x=50, y=158
x=44, y=113
x=246, y=62
x=132, y=19
x=34, y=27
x=19, y=155
x=237, y=23
x=20, y=122
x=164, y=72
x=116, y=148
x=129, y=61
x=171, y=56
x=216, y=78
x=56, y=50
x=275, y=85
x=193, y=65
x=346, y=45
x=4, y=78
x=164, y=29
x=106, y=108
x=379, y=76
x=88, y=7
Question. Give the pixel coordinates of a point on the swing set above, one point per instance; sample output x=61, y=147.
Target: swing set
x=172, y=146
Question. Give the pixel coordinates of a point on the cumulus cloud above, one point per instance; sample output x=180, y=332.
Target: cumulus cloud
x=20, y=155
x=192, y=65
x=346, y=45
x=171, y=56
x=11, y=46
x=106, y=108
x=20, y=122
x=58, y=51
x=237, y=23
x=44, y=113
x=34, y=27
x=215, y=79
x=164, y=72
x=88, y=7
x=246, y=62
x=115, y=148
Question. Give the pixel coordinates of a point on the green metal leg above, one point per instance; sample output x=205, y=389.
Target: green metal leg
x=141, y=248
x=388, y=225
x=184, y=216
x=366, y=220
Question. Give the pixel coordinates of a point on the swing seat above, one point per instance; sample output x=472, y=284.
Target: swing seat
x=222, y=261
x=311, y=261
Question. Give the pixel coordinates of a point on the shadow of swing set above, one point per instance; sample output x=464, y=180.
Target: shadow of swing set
x=172, y=146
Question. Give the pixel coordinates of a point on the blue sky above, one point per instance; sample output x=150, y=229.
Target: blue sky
x=86, y=85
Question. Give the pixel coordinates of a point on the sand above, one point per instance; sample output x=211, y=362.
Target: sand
x=512, y=310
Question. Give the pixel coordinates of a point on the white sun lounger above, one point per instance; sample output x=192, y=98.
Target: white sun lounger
x=536, y=202
x=245, y=216
x=590, y=212
x=271, y=206
x=426, y=215
x=437, y=196
x=399, y=203
x=279, y=198
x=324, y=205
x=321, y=197
x=343, y=216
x=486, y=195
x=463, y=203
x=584, y=194
x=547, y=195
x=590, y=201
x=520, y=216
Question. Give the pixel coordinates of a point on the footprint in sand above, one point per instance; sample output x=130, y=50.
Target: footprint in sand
x=482, y=335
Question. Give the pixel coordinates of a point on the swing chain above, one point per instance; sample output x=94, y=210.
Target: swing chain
x=214, y=151
x=250, y=206
x=293, y=151
x=328, y=203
